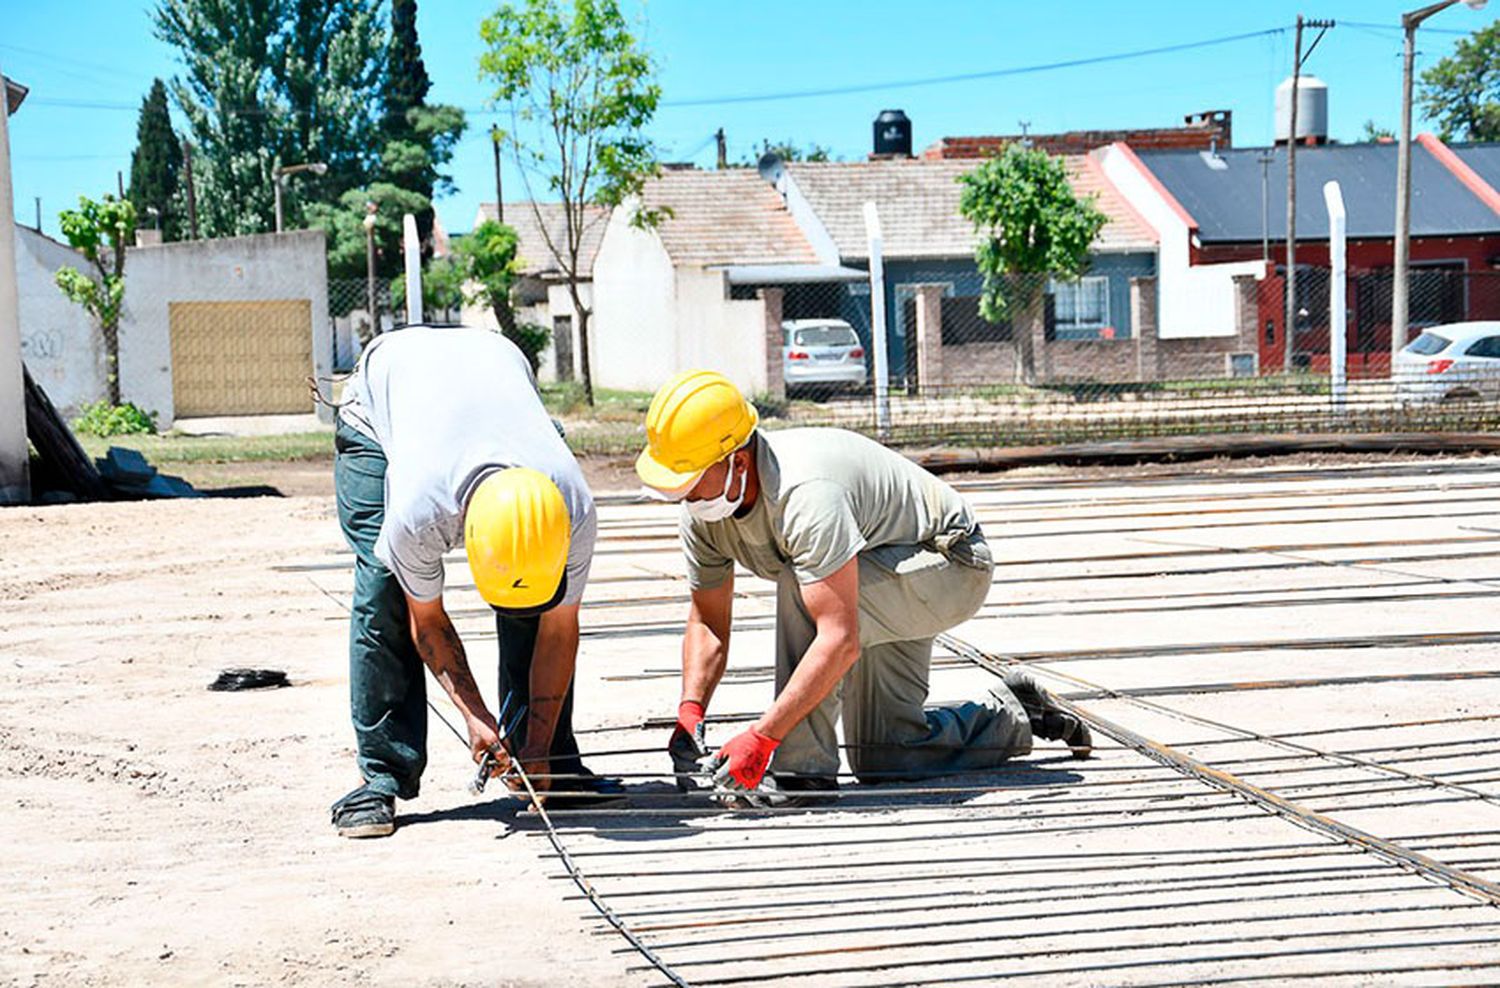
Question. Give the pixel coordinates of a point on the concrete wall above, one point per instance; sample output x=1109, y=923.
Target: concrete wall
x=62, y=347
x=264, y=267
x=652, y=319
x=15, y=487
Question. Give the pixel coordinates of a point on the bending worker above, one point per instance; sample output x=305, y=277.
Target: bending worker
x=872, y=558
x=443, y=441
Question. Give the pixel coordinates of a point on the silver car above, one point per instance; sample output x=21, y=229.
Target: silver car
x=1458, y=360
x=821, y=352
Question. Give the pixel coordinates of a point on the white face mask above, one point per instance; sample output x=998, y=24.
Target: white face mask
x=720, y=507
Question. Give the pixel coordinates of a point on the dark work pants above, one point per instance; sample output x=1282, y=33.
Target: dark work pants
x=387, y=680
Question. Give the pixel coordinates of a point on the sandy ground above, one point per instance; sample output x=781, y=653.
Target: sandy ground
x=160, y=833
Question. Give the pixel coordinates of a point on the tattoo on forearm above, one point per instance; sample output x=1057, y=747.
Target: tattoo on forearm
x=443, y=652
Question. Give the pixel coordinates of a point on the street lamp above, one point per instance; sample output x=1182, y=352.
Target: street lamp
x=316, y=167
x=369, y=224
x=1399, y=287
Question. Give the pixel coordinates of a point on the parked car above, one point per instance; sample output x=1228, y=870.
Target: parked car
x=821, y=353
x=1458, y=360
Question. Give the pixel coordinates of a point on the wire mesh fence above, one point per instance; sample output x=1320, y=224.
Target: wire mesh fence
x=1111, y=356
x=351, y=302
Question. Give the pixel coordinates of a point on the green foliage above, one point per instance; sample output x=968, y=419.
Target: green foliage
x=1462, y=91
x=789, y=151
x=272, y=82
x=442, y=288
x=488, y=257
x=1029, y=223
x=343, y=221
x=105, y=420
x=579, y=91
x=155, y=165
x=100, y=230
x=1375, y=132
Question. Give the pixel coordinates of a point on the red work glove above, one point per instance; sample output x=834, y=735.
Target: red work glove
x=687, y=746
x=741, y=763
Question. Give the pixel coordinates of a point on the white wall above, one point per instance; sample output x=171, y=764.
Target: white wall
x=63, y=349
x=633, y=332
x=1193, y=302
x=15, y=487
x=652, y=319
x=265, y=267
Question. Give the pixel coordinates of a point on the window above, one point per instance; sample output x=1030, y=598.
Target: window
x=1428, y=344
x=830, y=335
x=1082, y=307
x=1488, y=346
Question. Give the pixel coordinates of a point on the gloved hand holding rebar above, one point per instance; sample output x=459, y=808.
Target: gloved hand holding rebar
x=740, y=765
x=687, y=746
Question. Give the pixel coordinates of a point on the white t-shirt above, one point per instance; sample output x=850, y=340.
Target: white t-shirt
x=449, y=406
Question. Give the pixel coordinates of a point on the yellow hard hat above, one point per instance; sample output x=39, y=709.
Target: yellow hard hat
x=516, y=531
x=696, y=419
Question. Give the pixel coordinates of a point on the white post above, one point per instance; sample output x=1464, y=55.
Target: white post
x=877, y=323
x=413, y=270
x=14, y=467
x=1337, y=284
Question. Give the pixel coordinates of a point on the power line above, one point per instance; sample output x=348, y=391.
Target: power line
x=972, y=76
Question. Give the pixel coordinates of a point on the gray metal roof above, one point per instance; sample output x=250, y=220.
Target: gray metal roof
x=1483, y=158
x=1226, y=201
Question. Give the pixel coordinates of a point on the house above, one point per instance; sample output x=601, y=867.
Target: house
x=704, y=287
x=1223, y=213
x=15, y=484
x=542, y=296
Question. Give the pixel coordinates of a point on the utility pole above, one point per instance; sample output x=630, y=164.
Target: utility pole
x=369, y=224
x=38, y=214
x=1400, y=289
x=1289, y=336
x=723, y=149
x=192, y=197
x=120, y=184
x=499, y=189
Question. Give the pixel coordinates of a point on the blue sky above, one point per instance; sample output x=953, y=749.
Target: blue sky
x=89, y=63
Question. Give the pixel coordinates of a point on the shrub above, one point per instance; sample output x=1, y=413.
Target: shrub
x=105, y=420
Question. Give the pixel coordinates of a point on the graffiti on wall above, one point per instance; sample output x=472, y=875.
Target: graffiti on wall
x=43, y=344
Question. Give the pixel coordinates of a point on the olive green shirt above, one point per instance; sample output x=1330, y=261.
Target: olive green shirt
x=825, y=496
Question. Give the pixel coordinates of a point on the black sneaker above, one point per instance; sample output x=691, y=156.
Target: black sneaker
x=807, y=790
x=365, y=812
x=1048, y=720
x=584, y=791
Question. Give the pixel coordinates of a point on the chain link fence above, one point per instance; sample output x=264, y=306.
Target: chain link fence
x=349, y=309
x=1101, y=357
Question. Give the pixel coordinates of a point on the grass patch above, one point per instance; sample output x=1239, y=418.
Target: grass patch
x=177, y=448
x=565, y=400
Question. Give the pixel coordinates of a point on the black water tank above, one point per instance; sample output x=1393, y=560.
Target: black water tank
x=892, y=134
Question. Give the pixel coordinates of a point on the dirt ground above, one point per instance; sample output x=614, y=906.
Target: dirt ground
x=160, y=833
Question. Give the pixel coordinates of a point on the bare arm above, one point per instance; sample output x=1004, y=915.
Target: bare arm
x=833, y=604
x=552, y=665
x=705, y=641
x=443, y=653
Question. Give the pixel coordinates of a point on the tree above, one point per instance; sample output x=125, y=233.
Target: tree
x=343, y=221
x=1031, y=225
x=419, y=138
x=101, y=231
x=580, y=91
x=789, y=151
x=274, y=82
x=1375, y=132
x=155, y=164
x=1462, y=92
x=490, y=265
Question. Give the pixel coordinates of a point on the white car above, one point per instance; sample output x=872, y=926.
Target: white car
x=1458, y=360
x=821, y=352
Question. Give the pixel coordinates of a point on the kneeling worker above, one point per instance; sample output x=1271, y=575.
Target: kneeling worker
x=872, y=558
x=443, y=441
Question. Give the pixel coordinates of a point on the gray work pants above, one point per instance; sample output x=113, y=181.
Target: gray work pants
x=908, y=594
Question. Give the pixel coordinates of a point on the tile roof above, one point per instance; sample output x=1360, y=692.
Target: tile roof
x=536, y=258
x=1226, y=203
x=918, y=203
x=724, y=217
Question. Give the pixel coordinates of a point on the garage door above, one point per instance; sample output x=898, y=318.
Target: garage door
x=241, y=358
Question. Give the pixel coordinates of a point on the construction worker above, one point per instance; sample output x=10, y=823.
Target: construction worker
x=443, y=441
x=872, y=557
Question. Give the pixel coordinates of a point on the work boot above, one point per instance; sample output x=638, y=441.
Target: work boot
x=365, y=812
x=583, y=790
x=806, y=790
x=1048, y=720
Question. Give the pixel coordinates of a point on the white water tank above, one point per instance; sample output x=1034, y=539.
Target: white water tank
x=1312, y=110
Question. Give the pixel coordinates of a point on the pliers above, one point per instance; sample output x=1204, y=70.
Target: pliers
x=487, y=763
